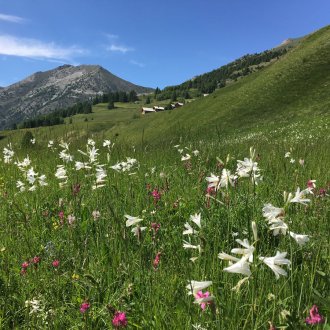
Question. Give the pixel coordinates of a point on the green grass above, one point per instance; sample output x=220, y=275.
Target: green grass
x=102, y=262
x=284, y=107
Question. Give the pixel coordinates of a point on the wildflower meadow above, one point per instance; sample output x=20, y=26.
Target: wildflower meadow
x=96, y=234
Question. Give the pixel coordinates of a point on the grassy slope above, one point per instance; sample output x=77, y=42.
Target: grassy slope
x=295, y=87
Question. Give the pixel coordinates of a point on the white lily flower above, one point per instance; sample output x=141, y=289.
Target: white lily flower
x=116, y=167
x=278, y=226
x=226, y=179
x=31, y=176
x=247, y=252
x=61, y=172
x=275, y=262
x=245, y=167
x=287, y=154
x=8, y=154
x=240, y=267
x=271, y=212
x=81, y=165
x=65, y=156
x=196, y=153
x=137, y=229
x=93, y=153
x=25, y=163
x=299, y=238
x=196, y=218
x=64, y=145
x=189, y=230
x=186, y=157
x=213, y=181
x=33, y=188
x=100, y=174
x=132, y=220
x=194, y=286
x=188, y=245
x=20, y=186
x=91, y=142
x=299, y=197
x=131, y=161
x=225, y=256
x=42, y=180
x=106, y=143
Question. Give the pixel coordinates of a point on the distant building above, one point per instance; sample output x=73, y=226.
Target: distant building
x=157, y=108
x=176, y=105
x=145, y=111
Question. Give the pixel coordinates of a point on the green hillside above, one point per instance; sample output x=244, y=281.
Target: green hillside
x=294, y=88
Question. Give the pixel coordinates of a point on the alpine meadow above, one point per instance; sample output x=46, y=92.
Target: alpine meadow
x=210, y=215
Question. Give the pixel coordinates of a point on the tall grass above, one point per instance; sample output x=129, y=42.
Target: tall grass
x=101, y=261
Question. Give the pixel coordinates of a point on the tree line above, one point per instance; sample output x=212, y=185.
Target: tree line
x=56, y=117
x=208, y=82
x=113, y=97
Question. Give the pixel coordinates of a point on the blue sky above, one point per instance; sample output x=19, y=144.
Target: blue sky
x=150, y=43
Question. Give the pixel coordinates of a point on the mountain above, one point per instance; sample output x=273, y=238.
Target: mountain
x=43, y=92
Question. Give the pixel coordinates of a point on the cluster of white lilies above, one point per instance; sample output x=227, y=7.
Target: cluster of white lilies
x=244, y=255
x=88, y=163
x=30, y=179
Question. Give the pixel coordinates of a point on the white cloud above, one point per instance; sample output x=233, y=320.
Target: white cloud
x=11, y=18
x=119, y=48
x=13, y=46
x=141, y=65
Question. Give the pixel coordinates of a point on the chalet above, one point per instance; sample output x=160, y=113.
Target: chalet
x=145, y=111
x=176, y=105
x=157, y=108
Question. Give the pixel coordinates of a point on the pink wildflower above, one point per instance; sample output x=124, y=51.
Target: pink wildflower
x=200, y=295
x=23, y=271
x=322, y=192
x=311, y=184
x=36, y=261
x=84, y=307
x=315, y=317
x=56, y=263
x=25, y=265
x=157, y=260
x=210, y=190
x=156, y=195
x=119, y=319
x=61, y=215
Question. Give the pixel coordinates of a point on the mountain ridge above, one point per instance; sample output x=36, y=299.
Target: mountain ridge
x=45, y=91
